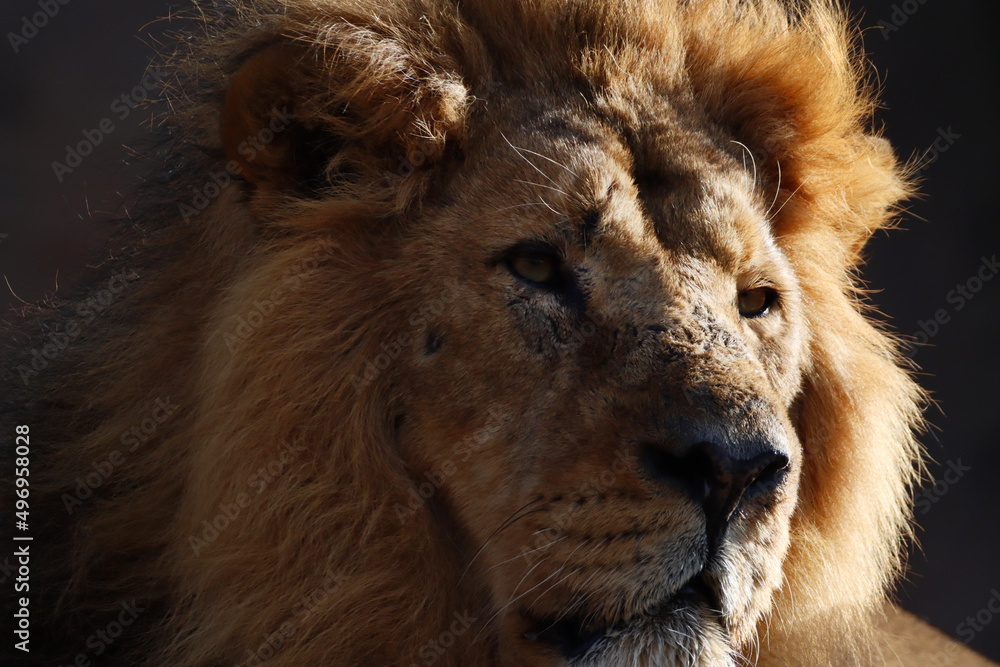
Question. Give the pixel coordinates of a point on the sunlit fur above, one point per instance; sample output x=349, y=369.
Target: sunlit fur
x=427, y=120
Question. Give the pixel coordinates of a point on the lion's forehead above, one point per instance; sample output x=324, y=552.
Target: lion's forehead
x=675, y=178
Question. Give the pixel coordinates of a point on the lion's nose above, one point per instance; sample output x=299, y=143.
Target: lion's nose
x=719, y=478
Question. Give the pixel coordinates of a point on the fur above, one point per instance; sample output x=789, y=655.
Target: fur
x=389, y=402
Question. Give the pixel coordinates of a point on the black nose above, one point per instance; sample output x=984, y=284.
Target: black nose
x=719, y=477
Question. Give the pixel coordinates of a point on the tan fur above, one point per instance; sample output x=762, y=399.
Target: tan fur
x=705, y=146
x=907, y=641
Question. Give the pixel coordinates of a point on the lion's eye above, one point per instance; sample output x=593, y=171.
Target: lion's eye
x=757, y=302
x=540, y=268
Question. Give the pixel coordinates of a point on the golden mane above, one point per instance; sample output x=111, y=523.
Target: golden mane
x=258, y=522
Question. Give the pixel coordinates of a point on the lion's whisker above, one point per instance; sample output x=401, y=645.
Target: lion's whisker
x=752, y=160
x=556, y=572
x=509, y=208
x=542, y=185
x=544, y=203
x=614, y=60
x=530, y=163
x=559, y=571
x=526, y=553
x=512, y=599
x=521, y=581
x=777, y=189
x=579, y=602
x=787, y=200
x=544, y=157
x=509, y=521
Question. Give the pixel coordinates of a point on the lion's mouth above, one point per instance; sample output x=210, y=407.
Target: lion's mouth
x=577, y=635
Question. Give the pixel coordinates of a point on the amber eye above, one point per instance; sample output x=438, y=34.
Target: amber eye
x=757, y=302
x=541, y=268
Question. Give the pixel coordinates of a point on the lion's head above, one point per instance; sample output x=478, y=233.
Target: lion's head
x=510, y=333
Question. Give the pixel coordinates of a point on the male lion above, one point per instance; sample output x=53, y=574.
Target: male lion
x=493, y=333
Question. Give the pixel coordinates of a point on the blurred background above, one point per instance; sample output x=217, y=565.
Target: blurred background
x=74, y=77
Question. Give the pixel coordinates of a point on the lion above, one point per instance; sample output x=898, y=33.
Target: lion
x=499, y=333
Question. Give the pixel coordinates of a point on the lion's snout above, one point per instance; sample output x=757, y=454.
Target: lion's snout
x=718, y=476
x=720, y=442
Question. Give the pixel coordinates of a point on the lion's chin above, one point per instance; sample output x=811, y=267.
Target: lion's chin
x=682, y=631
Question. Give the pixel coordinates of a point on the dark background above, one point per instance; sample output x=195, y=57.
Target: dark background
x=936, y=61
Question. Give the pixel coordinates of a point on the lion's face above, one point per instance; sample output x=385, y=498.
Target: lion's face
x=604, y=403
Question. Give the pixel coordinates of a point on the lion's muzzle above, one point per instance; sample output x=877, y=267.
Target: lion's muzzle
x=718, y=476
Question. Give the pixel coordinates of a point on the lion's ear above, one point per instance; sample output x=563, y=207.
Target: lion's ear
x=302, y=115
x=877, y=184
x=257, y=118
